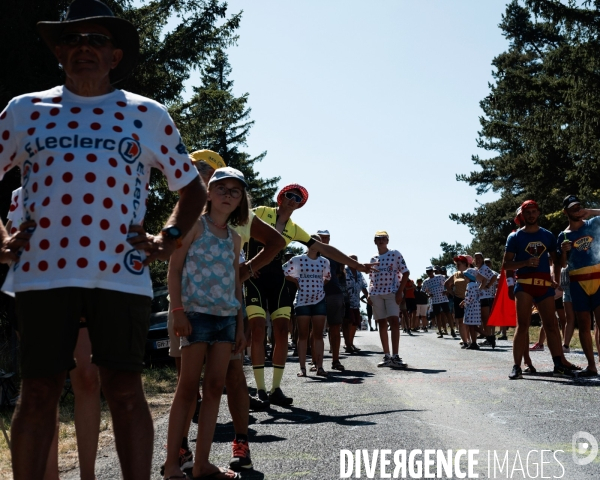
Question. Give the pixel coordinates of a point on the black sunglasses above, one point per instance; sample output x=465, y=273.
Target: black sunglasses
x=293, y=196
x=93, y=39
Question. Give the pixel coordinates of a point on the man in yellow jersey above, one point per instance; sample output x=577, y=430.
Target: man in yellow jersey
x=268, y=292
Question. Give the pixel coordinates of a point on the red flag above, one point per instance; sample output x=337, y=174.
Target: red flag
x=503, y=312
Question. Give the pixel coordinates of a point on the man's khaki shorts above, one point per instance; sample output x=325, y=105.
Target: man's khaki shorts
x=385, y=306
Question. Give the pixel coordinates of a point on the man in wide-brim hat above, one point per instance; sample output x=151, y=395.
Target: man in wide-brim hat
x=85, y=151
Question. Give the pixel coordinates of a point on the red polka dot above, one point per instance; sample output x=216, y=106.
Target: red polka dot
x=95, y=126
x=49, y=161
x=66, y=199
x=34, y=187
x=67, y=177
x=88, y=198
x=35, y=115
x=64, y=242
x=86, y=220
x=135, y=135
x=119, y=116
x=69, y=157
x=56, y=99
x=51, y=125
x=72, y=125
x=102, y=245
x=147, y=186
x=113, y=162
x=104, y=224
x=164, y=149
x=111, y=182
x=123, y=229
x=82, y=262
x=5, y=135
x=128, y=169
x=54, y=112
x=107, y=203
x=90, y=177
x=30, y=131
x=61, y=263
x=124, y=209
x=43, y=265
x=121, y=104
x=125, y=189
x=36, y=100
x=172, y=161
x=66, y=221
x=116, y=268
x=26, y=267
x=177, y=173
x=46, y=202
x=44, y=244
x=44, y=222
x=75, y=110
x=32, y=207
x=186, y=167
x=85, y=241
x=35, y=168
x=116, y=128
x=13, y=230
x=98, y=111
x=1, y=150
x=91, y=157
x=168, y=129
x=27, y=247
x=142, y=108
x=48, y=181
x=120, y=248
x=102, y=265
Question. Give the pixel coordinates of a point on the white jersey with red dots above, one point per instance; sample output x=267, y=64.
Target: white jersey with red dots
x=311, y=275
x=85, y=171
x=389, y=273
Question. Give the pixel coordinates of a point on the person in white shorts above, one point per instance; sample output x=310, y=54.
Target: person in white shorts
x=385, y=294
x=422, y=303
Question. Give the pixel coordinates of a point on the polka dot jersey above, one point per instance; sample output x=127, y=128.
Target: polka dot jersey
x=85, y=164
x=311, y=275
x=389, y=273
x=434, y=286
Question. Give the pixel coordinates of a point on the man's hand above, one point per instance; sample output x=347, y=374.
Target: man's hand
x=156, y=247
x=181, y=325
x=369, y=301
x=12, y=244
x=566, y=246
x=368, y=267
x=245, y=272
x=399, y=297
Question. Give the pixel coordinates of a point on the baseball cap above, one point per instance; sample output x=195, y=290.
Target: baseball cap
x=429, y=269
x=471, y=274
x=381, y=233
x=323, y=232
x=208, y=156
x=227, y=172
x=518, y=220
x=529, y=204
x=571, y=201
x=464, y=258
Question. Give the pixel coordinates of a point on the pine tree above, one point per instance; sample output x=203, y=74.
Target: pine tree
x=217, y=120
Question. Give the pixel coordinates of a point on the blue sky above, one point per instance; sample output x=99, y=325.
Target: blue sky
x=374, y=108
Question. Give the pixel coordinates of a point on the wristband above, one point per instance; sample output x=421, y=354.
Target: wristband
x=510, y=281
x=177, y=309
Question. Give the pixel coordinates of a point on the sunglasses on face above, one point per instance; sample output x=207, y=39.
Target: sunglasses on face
x=93, y=39
x=232, y=192
x=293, y=196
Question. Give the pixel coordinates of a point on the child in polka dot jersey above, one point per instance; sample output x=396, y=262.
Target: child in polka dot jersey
x=206, y=295
x=310, y=272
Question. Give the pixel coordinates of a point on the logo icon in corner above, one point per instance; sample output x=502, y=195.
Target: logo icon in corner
x=585, y=448
x=134, y=262
x=129, y=149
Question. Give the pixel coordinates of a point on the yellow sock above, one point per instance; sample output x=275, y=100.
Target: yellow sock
x=259, y=376
x=277, y=376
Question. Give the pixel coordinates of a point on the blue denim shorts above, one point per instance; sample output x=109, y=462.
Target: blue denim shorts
x=312, y=310
x=210, y=329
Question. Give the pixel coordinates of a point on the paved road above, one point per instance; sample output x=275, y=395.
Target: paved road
x=447, y=399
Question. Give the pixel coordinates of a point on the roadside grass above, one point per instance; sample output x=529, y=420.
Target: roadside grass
x=159, y=384
x=534, y=335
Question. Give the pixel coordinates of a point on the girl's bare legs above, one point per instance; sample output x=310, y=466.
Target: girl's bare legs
x=303, y=323
x=570, y=323
x=318, y=322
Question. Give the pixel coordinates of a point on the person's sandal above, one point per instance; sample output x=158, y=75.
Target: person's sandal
x=322, y=373
x=530, y=369
x=337, y=365
x=313, y=368
x=301, y=373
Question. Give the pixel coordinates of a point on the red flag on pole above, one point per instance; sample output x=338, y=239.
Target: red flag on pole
x=503, y=312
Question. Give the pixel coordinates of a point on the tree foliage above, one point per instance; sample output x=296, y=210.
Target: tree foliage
x=540, y=120
x=446, y=259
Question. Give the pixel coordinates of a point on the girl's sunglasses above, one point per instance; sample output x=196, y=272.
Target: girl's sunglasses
x=93, y=39
x=233, y=192
x=293, y=196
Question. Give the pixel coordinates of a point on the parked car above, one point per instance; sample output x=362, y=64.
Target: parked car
x=157, y=343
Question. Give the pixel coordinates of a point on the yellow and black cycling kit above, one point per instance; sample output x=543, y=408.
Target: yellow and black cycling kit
x=268, y=292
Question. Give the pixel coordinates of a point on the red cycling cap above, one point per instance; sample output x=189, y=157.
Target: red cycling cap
x=529, y=204
x=293, y=186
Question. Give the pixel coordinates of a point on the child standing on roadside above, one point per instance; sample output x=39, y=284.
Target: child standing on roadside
x=310, y=272
x=472, y=308
x=206, y=294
